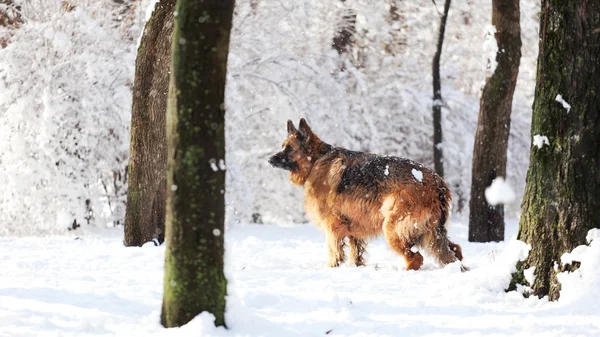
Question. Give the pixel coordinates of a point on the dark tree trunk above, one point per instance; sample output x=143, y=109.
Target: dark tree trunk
x=194, y=279
x=486, y=222
x=438, y=158
x=561, y=202
x=146, y=193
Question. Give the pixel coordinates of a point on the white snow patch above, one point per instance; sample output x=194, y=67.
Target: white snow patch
x=529, y=274
x=417, y=174
x=213, y=164
x=490, y=48
x=149, y=244
x=496, y=274
x=593, y=234
x=63, y=219
x=581, y=288
x=539, y=141
x=499, y=192
x=150, y=5
x=576, y=255
x=387, y=170
x=564, y=103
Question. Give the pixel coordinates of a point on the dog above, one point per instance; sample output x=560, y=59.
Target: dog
x=354, y=196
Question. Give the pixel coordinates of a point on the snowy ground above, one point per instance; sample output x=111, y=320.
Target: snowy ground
x=279, y=286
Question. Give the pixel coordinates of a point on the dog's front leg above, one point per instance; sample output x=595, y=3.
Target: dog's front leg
x=335, y=247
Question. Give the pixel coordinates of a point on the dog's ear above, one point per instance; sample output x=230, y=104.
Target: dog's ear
x=304, y=128
x=291, y=128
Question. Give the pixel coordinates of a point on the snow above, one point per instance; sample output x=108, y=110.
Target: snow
x=529, y=274
x=593, y=234
x=539, y=141
x=213, y=164
x=278, y=285
x=490, y=47
x=222, y=165
x=417, y=174
x=564, y=103
x=499, y=192
x=387, y=170
x=582, y=287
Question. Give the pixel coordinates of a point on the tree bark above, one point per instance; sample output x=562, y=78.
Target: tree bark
x=486, y=222
x=194, y=280
x=146, y=193
x=561, y=201
x=438, y=157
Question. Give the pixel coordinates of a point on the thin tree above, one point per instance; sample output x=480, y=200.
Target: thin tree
x=194, y=281
x=561, y=202
x=438, y=157
x=486, y=222
x=146, y=192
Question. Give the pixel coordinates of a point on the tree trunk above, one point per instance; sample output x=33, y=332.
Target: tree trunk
x=438, y=158
x=194, y=279
x=146, y=193
x=486, y=222
x=561, y=202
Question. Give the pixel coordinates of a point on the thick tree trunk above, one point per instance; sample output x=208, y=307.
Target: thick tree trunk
x=486, y=222
x=438, y=158
x=194, y=279
x=146, y=193
x=561, y=202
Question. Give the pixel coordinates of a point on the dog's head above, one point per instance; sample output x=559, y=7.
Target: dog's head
x=300, y=150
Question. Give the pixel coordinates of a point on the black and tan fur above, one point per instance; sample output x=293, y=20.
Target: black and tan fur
x=357, y=195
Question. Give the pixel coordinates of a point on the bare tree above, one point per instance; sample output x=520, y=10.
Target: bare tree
x=438, y=157
x=486, y=222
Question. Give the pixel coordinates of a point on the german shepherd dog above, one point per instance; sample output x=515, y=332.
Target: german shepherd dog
x=354, y=196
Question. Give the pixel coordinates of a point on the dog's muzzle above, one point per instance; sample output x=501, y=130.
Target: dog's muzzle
x=278, y=160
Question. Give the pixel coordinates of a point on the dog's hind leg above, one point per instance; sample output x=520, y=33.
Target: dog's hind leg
x=402, y=246
x=357, y=248
x=456, y=249
x=437, y=244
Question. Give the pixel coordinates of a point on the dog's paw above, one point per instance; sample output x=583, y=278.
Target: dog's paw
x=333, y=263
